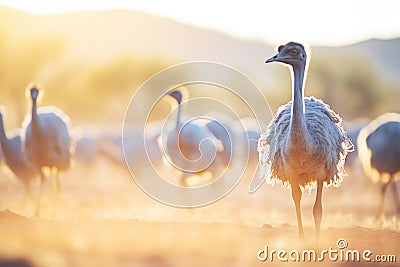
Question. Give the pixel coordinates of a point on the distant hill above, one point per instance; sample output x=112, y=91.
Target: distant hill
x=97, y=36
x=384, y=54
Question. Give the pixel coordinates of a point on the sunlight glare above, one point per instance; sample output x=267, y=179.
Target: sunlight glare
x=313, y=22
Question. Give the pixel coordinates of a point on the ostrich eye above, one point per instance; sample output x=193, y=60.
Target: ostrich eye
x=293, y=52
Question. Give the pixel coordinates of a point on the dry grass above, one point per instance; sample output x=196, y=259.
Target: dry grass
x=104, y=219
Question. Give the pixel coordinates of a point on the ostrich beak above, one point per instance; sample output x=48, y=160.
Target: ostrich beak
x=272, y=59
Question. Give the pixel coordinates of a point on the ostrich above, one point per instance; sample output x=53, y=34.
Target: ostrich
x=304, y=146
x=86, y=144
x=185, y=147
x=15, y=159
x=353, y=130
x=379, y=153
x=47, y=140
x=250, y=136
x=113, y=148
x=222, y=132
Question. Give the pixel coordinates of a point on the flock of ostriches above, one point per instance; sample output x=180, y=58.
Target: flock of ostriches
x=304, y=146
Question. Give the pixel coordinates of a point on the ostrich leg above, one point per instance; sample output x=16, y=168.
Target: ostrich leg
x=57, y=174
x=317, y=209
x=382, y=200
x=296, y=195
x=37, y=212
x=396, y=197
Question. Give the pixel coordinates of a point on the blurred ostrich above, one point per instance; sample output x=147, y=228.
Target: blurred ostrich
x=250, y=136
x=86, y=144
x=15, y=159
x=133, y=143
x=110, y=146
x=223, y=133
x=185, y=144
x=305, y=145
x=379, y=152
x=47, y=140
x=353, y=163
x=353, y=129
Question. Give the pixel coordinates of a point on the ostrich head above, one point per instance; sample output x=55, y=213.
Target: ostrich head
x=291, y=53
x=180, y=95
x=177, y=95
x=34, y=92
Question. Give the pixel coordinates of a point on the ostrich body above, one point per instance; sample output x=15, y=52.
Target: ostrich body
x=86, y=140
x=251, y=134
x=379, y=153
x=133, y=142
x=246, y=132
x=185, y=144
x=304, y=145
x=353, y=163
x=222, y=133
x=113, y=148
x=15, y=159
x=47, y=140
x=353, y=130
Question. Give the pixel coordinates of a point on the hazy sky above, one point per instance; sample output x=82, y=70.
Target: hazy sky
x=316, y=22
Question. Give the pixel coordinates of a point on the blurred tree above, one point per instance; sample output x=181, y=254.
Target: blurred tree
x=349, y=83
x=84, y=90
x=101, y=92
x=22, y=63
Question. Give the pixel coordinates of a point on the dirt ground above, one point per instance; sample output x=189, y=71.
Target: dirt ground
x=104, y=219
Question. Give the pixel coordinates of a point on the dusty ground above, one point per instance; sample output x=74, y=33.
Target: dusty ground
x=104, y=219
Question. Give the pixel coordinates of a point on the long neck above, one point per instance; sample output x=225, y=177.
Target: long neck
x=298, y=128
x=178, y=118
x=34, y=119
